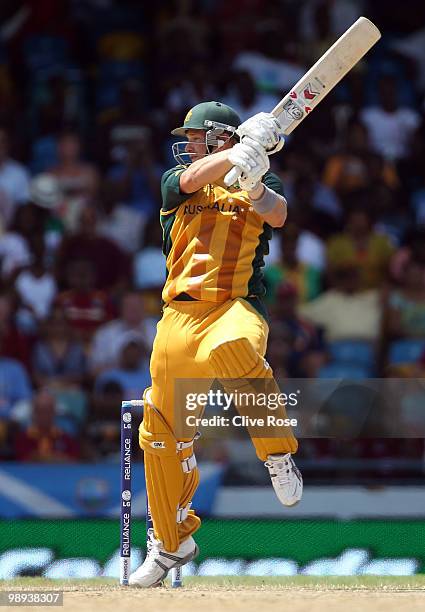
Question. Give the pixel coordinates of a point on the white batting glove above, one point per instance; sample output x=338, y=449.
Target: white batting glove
x=250, y=157
x=265, y=129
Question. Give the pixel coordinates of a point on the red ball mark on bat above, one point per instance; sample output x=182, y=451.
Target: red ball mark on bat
x=293, y=94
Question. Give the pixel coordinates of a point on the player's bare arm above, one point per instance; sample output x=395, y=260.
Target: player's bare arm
x=276, y=217
x=207, y=170
x=261, y=136
x=212, y=168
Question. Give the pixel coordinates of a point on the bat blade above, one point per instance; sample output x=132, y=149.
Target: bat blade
x=338, y=60
x=327, y=72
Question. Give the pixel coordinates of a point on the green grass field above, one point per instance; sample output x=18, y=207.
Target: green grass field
x=385, y=583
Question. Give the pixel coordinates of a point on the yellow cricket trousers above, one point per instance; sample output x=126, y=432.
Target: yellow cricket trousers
x=195, y=340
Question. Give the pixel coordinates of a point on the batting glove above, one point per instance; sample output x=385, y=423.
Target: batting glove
x=265, y=129
x=251, y=158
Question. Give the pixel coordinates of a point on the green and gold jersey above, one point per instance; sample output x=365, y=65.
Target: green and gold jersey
x=213, y=240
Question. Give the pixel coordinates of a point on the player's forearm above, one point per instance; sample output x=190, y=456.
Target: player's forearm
x=205, y=171
x=277, y=217
x=276, y=212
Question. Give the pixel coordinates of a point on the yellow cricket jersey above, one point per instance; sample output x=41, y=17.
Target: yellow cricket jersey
x=213, y=240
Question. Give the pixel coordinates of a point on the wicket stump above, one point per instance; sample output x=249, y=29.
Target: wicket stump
x=126, y=491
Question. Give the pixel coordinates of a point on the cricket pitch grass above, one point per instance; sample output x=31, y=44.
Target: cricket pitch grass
x=237, y=594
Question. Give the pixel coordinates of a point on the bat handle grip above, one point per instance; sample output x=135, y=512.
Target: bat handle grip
x=232, y=176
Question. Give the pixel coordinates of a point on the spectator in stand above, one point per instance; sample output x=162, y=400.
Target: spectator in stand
x=195, y=86
x=136, y=176
x=84, y=306
x=58, y=359
x=103, y=430
x=104, y=352
x=175, y=60
x=36, y=287
x=186, y=21
x=47, y=198
x=245, y=98
x=413, y=248
x=417, y=204
x=306, y=350
x=111, y=264
x=279, y=350
x=14, y=383
x=304, y=277
x=421, y=366
x=317, y=30
x=404, y=314
x=27, y=221
x=308, y=190
x=149, y=268
x=390, y=127
x=43, y=441
x=132, y=373
x=30, y=220
x=14, y=180
x=311, y=245
x=114, y=124
x=119, y=222
x=6, y=211
x=9, y=111
x=59, y=105
x=349, y=169
x=346, y=312
x=270, y=60
x=15, y=344
x=14, y=254
x=78, y=180
x=361, y=245
x=390, y=208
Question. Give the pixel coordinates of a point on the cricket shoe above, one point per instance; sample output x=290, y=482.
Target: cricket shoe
x=158, y=561
x=286, y=478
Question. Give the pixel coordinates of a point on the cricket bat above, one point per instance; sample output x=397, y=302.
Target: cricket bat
x=321, y=78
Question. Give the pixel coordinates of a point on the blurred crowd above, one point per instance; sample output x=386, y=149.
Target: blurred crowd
x=89, y=91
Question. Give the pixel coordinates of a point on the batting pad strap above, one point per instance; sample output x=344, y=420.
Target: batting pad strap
x=183, y=513
x=181, y=445
x=267, y=201
x=189, y=464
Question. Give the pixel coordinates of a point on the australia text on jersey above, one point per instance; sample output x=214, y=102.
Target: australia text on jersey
x=194, y=209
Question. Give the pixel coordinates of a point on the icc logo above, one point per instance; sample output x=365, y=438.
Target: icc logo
x=126, y=495
x=126, y=417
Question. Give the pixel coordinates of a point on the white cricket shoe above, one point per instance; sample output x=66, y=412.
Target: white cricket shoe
x=158, y=561
x=286, y=478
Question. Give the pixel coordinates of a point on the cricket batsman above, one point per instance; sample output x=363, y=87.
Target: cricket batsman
x=214, y=325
